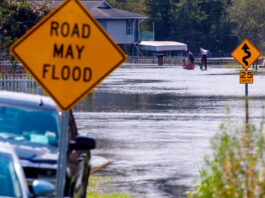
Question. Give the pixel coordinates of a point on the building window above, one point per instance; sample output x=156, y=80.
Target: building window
x=129, y=27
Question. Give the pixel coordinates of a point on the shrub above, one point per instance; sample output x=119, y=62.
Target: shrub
x=237, y=167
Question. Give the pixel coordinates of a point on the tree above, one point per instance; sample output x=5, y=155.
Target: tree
x=136, y=6
x=248, y=17
x=188, y=24
x=160, y=12
x=16, y=17
x=217, y=27
x=197, y=23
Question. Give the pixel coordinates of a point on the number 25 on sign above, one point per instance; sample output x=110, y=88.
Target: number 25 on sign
x=246, y=77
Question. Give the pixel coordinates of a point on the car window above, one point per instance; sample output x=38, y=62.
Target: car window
x=8, y=178
x=40, y=127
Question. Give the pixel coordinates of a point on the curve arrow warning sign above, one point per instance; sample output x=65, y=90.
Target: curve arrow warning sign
x=68, y=53
x=246, y=54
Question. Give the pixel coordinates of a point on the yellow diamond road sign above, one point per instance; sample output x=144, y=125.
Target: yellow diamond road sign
x=68, y=53
x=246, y=54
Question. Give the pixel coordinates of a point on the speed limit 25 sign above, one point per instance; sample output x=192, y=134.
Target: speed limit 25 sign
x=246, y=76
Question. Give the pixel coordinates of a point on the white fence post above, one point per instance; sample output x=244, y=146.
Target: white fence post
x=20, y=83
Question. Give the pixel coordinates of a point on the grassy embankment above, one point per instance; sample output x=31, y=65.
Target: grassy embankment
x=233, y=67
x=95, y=188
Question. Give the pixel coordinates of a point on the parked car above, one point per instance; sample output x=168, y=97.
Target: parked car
x=12, y=178
x=31, y=123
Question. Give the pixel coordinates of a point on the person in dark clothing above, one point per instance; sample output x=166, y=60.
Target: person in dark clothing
x=204, y=54
x=190, y=57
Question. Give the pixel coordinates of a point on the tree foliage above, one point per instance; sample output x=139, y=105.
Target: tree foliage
x=197, y=23
x=248, y=17
x=131, y=5
x=16, y=17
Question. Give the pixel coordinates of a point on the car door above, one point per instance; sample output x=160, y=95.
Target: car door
x=77, y=163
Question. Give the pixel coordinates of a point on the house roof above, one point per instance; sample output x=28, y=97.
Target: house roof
x=100, y=9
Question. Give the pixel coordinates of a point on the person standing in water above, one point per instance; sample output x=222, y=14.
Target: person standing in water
x=204, y=54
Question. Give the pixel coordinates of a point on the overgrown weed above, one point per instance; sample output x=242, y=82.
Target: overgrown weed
x=237, y=167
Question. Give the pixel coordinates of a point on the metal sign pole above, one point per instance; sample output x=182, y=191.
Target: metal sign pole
x=246, y=102
x=63, y=142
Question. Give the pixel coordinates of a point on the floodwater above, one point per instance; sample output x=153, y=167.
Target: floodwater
x=155, y=123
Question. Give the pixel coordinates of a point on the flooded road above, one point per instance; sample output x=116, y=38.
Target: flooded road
x=155, y=123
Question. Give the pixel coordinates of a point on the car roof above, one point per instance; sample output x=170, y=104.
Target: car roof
x=6, y=148
x=25, y=100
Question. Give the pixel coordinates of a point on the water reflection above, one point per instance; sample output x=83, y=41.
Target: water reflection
x=116, y=102
x=156, y=122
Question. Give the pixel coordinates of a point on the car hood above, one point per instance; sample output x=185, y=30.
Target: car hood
x=37, y=154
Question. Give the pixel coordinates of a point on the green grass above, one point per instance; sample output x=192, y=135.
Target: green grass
x=96, y=188
x=116, y=195
x=233, y=67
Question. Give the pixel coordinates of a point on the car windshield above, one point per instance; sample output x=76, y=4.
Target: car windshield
x=35, y=126
x=8, y=178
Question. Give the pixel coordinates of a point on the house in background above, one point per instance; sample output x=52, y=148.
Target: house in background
x=123, y=26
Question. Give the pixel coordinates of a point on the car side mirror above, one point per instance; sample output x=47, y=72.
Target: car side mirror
x=42, y=188
x=83, y=143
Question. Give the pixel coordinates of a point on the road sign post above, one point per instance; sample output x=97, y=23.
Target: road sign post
x=68, y=53
x=246, y=103
x=246, y=54
x=63, y=140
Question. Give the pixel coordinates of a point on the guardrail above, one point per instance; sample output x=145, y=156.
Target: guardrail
x=20, y=83
x=154, y=60
x=178, y=60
